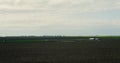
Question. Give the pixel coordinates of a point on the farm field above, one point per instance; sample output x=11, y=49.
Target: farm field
x=59, y=50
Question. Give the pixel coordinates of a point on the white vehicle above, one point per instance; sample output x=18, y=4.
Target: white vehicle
x=94, y=39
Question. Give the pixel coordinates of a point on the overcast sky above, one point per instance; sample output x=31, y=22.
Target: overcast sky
x=59, y=17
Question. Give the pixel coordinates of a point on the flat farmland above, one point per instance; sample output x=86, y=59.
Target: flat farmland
x=80, y=51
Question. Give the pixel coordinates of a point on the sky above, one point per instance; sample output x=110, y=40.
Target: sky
x=59, y=17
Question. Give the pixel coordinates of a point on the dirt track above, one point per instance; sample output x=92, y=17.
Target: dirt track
x=60, y=52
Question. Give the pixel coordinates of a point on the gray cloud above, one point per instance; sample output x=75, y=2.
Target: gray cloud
x=61, y=6
x=41, y=16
